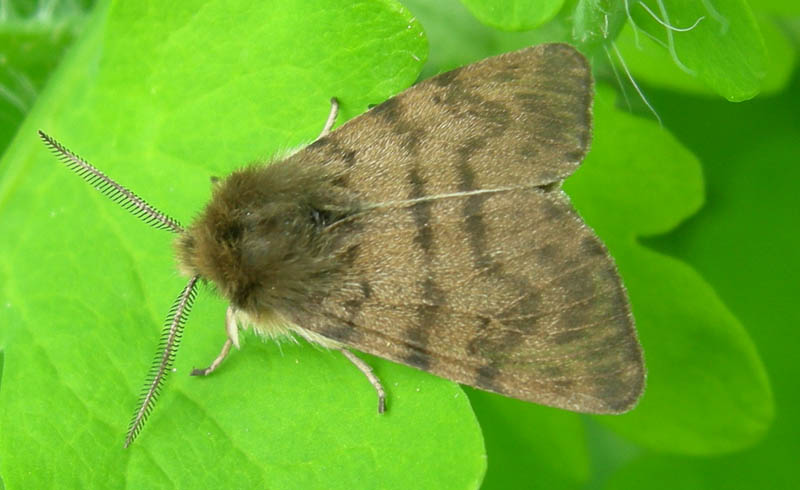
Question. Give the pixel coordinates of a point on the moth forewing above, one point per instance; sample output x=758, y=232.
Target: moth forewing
x=476, y=267
x=432, y=231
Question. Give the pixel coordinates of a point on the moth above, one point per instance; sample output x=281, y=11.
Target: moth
x=431, y=231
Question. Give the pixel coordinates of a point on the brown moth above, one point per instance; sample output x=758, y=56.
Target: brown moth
x=431, y=231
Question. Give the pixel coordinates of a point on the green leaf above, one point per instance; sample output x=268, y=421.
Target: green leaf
x=457, y=38
x=530, y=445
x=744, y=242
x=718, y=43
x=514, y=15
x=162, y=99
x=707, y=390
x=62, y=344
x=780, y=7
x=782, y=57
x=597, y=21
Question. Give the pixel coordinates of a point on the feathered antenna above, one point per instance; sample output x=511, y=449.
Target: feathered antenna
x=170, y=338
x=111, y=189
x=173, y=327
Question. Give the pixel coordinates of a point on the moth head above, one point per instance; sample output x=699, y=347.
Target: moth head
x=213, y=246
x=259, y=237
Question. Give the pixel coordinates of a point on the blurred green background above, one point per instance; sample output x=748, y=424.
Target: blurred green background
x=691, y=182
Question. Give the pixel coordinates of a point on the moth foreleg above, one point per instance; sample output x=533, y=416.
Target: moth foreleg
x=376, y=383
x=232, y=329
x=331, y=118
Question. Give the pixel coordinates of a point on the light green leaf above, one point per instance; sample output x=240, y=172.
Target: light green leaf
x=162, y=98
x=530, y=446
x=781, y=55
x=780, y=7
x=718, y=43
x=597, y=21
x=514, y=15
x=457, y=38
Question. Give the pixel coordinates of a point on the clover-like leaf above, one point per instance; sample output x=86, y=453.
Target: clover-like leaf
x=707, y=390
x=718, y=43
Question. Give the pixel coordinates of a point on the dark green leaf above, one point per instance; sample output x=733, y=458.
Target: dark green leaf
x=707, y=391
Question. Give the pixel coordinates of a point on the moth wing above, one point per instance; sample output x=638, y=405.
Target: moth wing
x=520, y=117
x=509, y=292
x=472, y=263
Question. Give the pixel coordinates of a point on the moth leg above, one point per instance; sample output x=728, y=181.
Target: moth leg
x=331, y=118
x=376, y=383
x=231, y=326
x=232, y=329
x=226, y=347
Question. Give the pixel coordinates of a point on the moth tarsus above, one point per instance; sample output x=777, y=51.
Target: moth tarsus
x=232, y=332
x=431, y=231
x=371, y=376
x=226, y=348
